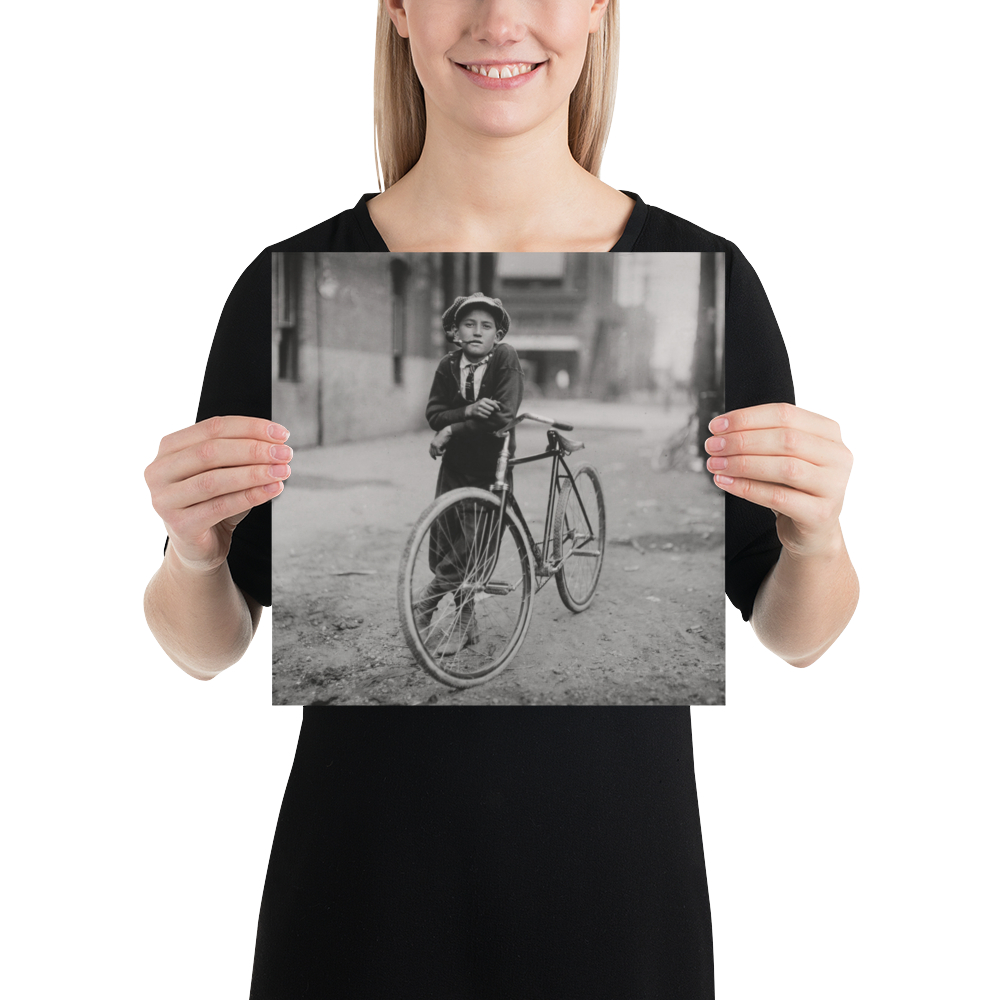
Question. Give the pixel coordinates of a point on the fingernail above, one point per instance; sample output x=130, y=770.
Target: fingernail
x=272, y=488
x=277, y=431
x=717, y=464
x=281, y=452
x=279, y=471
x=718, y=425
x=715, y=444
x=725, y=480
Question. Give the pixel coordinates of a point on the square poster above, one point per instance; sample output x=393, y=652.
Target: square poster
x=499, y=494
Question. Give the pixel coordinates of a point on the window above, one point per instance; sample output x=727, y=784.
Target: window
x=285, y=269
x=531, y=270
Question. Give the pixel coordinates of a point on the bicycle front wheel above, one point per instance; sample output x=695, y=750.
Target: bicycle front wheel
x=466, y=587
x=578, y=542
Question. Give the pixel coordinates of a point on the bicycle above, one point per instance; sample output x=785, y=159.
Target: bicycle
x=471, y=567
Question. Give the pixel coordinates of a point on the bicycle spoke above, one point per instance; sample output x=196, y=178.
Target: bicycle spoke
x=466, y=629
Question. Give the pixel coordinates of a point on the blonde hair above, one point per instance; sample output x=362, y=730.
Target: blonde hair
x=401, y=118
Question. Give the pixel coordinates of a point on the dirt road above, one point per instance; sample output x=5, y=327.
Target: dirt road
x=654, y=634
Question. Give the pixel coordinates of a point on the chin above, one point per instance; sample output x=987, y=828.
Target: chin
x=504, y=123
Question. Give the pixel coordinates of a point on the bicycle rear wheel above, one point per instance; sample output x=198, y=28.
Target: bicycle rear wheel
x=578, y=541
x=466, y=587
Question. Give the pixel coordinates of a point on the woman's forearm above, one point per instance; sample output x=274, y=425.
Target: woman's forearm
x=805, y=602
x=201, y=619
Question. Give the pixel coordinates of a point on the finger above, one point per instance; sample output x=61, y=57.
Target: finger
x=782, y=415
x=216, y=453
x=784, y=441
x=215, y=483
x=199, y=518
x=802, y=508
x=799, y=475
x=255, y=428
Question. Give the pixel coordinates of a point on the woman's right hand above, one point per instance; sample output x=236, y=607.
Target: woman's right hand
x=205, y=479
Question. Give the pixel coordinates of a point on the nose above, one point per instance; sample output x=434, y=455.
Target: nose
x=499, y=22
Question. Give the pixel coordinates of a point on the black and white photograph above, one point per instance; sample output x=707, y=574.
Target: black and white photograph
x=498, y=493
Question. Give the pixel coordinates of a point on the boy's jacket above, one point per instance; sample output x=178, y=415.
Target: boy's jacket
x=475, y=444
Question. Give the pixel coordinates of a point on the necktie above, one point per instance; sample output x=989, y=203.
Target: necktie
x=470, y=379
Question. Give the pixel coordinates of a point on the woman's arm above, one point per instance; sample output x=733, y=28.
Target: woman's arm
x=794, y=462
x=203, y=621
x=805, y=602
x=204, y=480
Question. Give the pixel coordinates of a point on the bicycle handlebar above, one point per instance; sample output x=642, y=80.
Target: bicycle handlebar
x=542, y=420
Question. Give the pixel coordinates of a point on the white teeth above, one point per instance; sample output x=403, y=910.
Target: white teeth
x=497, y=73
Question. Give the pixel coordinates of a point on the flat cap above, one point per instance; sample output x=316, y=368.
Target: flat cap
x=477, y=300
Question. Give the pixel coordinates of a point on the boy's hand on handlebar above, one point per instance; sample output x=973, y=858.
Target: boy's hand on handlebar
x=482, y=408
x=205, y=479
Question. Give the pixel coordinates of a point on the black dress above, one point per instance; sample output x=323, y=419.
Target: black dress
x=483, y=852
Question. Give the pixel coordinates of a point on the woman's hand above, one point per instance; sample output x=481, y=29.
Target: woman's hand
x=790, y=460
x=205, y=479
x=440, y=442
x=482, y=408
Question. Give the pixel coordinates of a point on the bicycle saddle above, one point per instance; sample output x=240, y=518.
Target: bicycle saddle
x=568, y=445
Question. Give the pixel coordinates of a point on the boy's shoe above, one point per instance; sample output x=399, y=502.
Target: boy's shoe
x=424, y=608
x=466, y=632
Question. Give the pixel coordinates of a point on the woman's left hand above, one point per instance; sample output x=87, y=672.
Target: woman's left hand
x=790, y=460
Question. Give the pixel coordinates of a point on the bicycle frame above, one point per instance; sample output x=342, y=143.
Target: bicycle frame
x=545, y=568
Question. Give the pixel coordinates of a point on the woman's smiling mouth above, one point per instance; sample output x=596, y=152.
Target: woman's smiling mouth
x=500, y=75
x=499, y=71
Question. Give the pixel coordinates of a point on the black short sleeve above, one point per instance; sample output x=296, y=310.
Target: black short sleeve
x=238, y=381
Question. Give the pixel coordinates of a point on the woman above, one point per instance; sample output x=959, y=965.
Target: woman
x=470, y=162
x=535, y=852
x=501, y=136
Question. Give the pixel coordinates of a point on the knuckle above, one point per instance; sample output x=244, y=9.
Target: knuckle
x=206, y=452
x=791, y=470
x=219, y=507
x=784, y=413
x=214, y=426
x=789, y=441
x=206, y=483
